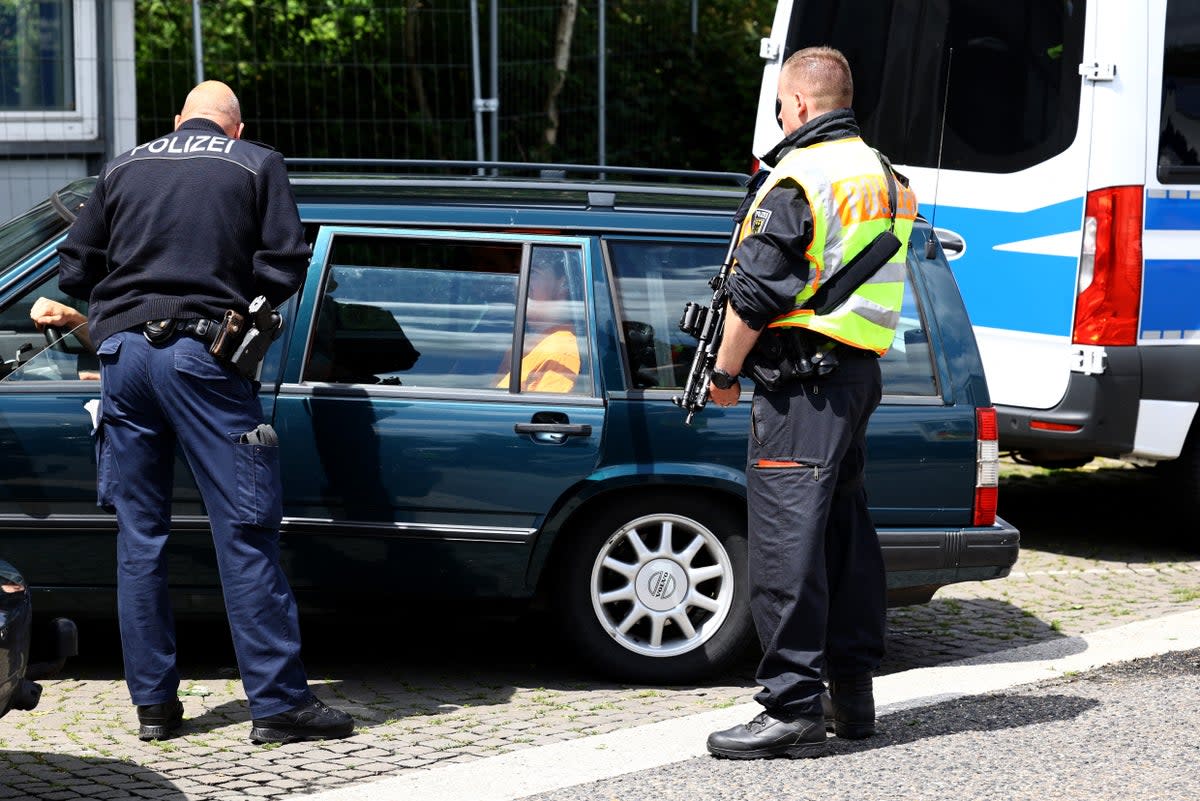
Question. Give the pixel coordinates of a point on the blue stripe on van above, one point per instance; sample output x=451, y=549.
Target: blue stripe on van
x=1172, y=213
x=1170, y=286
x=1169, y=292
x=1010, y=290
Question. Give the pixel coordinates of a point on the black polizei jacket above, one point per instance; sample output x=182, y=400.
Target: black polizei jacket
x=186, y=226
x=771, y=266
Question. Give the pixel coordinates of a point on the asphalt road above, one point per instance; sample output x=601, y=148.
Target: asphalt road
x=1127, y=732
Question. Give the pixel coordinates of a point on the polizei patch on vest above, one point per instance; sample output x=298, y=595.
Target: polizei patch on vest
x=758, y=220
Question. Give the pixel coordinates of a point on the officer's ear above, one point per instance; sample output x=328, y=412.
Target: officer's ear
x=237, y=134
x=178, y=119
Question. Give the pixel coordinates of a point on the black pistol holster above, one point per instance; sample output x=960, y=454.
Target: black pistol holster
x=266, y=325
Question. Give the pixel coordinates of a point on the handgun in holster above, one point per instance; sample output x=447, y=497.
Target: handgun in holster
x=265, y=326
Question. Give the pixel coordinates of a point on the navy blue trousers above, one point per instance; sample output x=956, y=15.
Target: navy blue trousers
x=818, y=591
x=153, y=398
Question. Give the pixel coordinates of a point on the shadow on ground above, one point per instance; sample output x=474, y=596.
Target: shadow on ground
x=1110, y=512
x=37, y=776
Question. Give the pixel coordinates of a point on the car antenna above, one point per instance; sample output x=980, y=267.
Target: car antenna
x=930, y=249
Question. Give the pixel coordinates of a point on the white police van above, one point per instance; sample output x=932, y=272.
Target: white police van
x=1055, y=145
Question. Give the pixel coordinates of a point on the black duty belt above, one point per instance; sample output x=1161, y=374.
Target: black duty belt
x=162, y=330
x=206, y=330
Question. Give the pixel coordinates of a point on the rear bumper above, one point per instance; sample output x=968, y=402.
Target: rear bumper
x=920, y=561
x=1101, y=410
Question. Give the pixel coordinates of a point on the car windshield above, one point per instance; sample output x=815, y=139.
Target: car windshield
x=25, y=233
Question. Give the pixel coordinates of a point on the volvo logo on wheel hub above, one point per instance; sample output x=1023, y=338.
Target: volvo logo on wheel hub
x=662, y=584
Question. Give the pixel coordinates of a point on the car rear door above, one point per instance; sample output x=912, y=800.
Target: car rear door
x=413, y=459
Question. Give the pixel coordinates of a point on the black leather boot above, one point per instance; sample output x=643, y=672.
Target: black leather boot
x=159, y=721
x=853, y=702
x=766, y=736
x=311, y=721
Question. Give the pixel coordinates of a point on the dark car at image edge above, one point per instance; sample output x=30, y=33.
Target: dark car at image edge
x=50, y=644
x=426, y=463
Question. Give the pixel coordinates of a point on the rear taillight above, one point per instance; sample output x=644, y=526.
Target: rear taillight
x=987, y=466
x=1109, y=286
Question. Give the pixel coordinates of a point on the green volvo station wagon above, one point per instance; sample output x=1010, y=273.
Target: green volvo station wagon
x=473, y=394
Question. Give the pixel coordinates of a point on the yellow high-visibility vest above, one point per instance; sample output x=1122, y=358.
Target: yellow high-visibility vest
x=848, y=193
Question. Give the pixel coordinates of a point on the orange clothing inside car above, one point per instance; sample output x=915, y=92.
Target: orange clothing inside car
x=552, y=365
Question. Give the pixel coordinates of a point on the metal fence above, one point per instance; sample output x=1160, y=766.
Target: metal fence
x=465, y=79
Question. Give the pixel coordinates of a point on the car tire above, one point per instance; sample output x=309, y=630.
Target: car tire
x=654, y=589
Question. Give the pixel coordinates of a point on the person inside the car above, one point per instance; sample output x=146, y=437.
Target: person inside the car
x=551, y=359
x=46, y=312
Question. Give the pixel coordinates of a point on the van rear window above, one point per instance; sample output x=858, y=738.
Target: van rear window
x=1179, y=130
x=1010, y=90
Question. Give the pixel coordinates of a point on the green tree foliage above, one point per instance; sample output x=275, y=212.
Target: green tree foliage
x=370, y=79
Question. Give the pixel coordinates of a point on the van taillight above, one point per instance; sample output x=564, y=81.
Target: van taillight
x=1109, y=288
x=987, y=466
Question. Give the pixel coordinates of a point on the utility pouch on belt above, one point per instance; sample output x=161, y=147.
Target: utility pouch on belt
x=783, y=355
x=265, y=326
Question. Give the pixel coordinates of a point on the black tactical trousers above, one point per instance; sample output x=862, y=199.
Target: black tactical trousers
x=817, y=583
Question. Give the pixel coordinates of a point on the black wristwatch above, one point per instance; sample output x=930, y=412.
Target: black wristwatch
x=722, y=379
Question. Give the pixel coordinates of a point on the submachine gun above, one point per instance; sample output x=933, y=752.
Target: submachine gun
x=706, y=324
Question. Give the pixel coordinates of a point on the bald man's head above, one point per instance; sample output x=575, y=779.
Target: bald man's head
x=213, y=100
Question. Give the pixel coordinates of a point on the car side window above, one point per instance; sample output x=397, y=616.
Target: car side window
x=555, y=335
x=25, y=352
x=397, y=311
x=908, y=366
x=442, y=313
x=654, y=280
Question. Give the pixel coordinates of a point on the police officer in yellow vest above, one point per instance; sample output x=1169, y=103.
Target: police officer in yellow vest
x=818, y=590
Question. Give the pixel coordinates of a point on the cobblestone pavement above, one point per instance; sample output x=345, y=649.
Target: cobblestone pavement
x=1090, y=560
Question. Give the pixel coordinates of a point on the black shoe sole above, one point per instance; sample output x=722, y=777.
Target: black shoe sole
x=148, y=732
x=262, y=735
x=798, y=751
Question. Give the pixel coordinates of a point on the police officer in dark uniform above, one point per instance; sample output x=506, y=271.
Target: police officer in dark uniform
x=178, y=237
x=817, y=582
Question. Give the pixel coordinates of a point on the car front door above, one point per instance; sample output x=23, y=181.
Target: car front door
x=439, y=399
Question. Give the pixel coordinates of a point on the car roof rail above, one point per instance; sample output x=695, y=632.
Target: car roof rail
x=583, y=186
x=546, y=171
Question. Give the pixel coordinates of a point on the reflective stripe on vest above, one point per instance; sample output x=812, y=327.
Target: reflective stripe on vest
x=848, y=194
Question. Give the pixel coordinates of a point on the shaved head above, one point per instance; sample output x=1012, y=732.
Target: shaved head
x=822, y=74
x=213, y=100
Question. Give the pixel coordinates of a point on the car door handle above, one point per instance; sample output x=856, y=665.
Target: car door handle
x=566, y=429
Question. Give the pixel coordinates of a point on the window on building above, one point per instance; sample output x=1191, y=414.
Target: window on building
x=48, y=69
x=37, y=55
